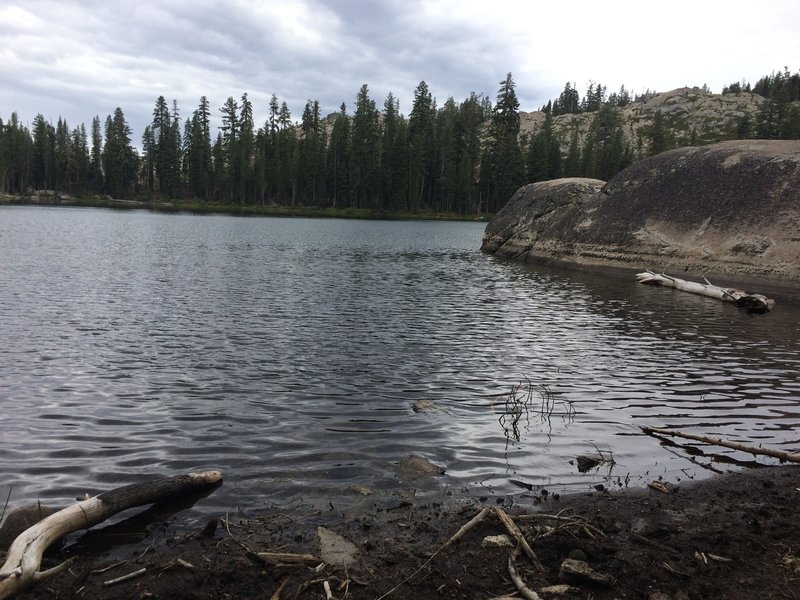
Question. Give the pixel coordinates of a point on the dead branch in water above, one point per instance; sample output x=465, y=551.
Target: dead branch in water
x=752, y=302
x=787, y=456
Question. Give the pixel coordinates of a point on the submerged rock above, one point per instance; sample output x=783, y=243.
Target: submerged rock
x=729, y=208
x=412, y=467
x=425, y=406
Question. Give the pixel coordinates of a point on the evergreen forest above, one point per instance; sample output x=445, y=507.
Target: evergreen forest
x=464, y=158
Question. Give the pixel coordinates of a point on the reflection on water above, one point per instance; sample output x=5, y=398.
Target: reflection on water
x=288, y=353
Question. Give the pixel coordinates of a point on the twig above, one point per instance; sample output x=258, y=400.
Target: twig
x=109, y=567
x=565, y=521
x=517, y=534
x=185, y=564
x=328, y=592
x=523, y=589
x=277, y=594
x=141, y=571
x=5, y=506
x=288, y=558
x=465, y=528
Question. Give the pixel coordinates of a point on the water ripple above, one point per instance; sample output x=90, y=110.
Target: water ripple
x=289, y=353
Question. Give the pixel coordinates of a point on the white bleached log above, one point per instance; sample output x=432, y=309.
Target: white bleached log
x=21, y=568
x=793, y=457
x=754, y=302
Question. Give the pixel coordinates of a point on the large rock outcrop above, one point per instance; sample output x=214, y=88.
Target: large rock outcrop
x=731, y=208
x=690, y=116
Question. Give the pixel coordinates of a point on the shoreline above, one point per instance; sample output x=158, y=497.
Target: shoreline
x=733, y=536
x=243, y=210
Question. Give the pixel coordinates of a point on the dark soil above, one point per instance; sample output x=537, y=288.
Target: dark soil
x=736, y=536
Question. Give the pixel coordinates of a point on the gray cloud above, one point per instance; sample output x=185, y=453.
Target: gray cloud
x=86, y=57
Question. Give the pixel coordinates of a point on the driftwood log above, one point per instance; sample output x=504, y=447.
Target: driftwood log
x=753, y=302
x=21, y=568
x=793, y=457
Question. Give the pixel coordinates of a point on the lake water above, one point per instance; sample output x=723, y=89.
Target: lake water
x=289, y=353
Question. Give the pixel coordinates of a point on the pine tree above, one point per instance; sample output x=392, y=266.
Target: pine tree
x=96, y=184
x=507, y=167
x=64, y=160
x=420, y=138
x=312, y=156
x=338, y=159
x=420, y=146
x=658, y=134
x=568, y=102
x=572, y=164
x=446, y=158
x=219, y=181
x=149, y=152
x=245, y=151
x=286, y=156
x=163, y=153
x=394, y=150
x=120, y=161
x=468, y=149
x=80, y=153
x=544, y=153
x=17, y=152
x=605, y=152
x=43, y=154
x=197, y=148
x=365, y=152
x=230, y=141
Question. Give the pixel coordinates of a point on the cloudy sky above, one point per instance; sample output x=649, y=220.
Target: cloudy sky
x=81, y=58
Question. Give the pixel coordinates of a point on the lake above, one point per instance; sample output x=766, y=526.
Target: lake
x=290, y=354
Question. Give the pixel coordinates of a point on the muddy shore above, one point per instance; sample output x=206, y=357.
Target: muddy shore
x=735, y=536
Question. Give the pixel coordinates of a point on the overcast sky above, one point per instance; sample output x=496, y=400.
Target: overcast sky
x=78, y=59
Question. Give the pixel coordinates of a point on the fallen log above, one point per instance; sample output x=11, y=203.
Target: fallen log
x=21, y=569
x=787, y=456
x=752, y=302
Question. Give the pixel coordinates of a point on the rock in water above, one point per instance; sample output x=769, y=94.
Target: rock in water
x=20, y=519
x=729, y=208
x=412, y=467
x=425, y=406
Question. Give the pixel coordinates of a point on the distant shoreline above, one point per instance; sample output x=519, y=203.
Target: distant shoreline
x=209, y=208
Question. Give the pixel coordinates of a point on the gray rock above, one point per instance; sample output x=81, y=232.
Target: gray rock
x=425, y=406
x=578, y=570
x=730, y=208
x=20, y=519
x=334, y=549
x=360, y=490
x=497, y=541
x=413, y=467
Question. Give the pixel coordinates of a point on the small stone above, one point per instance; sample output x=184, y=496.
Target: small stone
x=497, y=541
x=425, y=406
x=587, y=462
x=360, y=490
x=412, y=467
x=334, y=549
x=581, y=571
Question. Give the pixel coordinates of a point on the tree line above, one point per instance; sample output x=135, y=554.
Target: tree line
x=462, y=157
x=779, y=115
